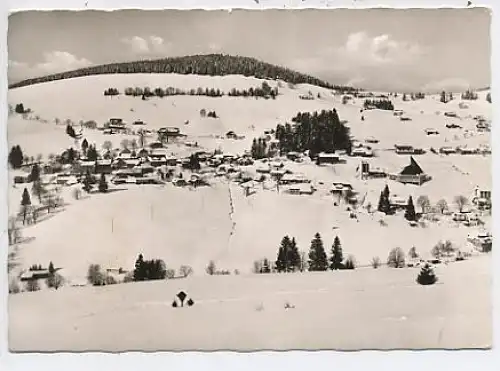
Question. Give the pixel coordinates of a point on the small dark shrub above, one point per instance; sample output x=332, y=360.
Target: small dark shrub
x=426, y=276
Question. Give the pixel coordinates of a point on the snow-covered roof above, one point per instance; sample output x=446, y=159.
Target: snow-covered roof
x=412, y=169
x=327, y=155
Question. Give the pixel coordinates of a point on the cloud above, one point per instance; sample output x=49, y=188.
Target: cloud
x=454, y=84
x=57, y=61
x=214, y=47
x=53, y=62
x=146, y=46
x=362, y=49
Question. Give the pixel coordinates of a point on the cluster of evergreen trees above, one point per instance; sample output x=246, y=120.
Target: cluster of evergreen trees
x=384, y=205
x=16, y=157
x=384, y=104
x=264, y=91
x=469, y=95
x=146, y=270
x=289, y=258
x=259, y=148
x=20, y=109
x=89, y=181
x=211, y=64
x=413, y=96
x=446, y=97
x=111, y=92
x=316, y=132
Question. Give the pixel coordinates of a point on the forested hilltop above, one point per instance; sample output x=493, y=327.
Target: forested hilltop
x=210, y=64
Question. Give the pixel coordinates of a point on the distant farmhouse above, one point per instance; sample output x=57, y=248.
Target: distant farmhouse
x=412, y=174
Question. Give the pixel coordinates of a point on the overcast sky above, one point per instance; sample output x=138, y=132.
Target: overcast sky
x=386, y=49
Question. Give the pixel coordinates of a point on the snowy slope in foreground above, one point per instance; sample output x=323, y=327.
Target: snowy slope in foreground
x=366, y=308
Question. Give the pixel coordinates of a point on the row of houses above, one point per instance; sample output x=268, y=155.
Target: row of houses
x=463, y=150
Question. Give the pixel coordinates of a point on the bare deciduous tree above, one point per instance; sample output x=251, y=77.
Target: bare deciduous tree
x=125, y=143
x=461, y=201
x=442, y=205
x=107, y=145
x=77, y=193
x=14, y=287
x=396, y=258
x=185, y=270
x=55, y=281
x=32, y=285
x=211, y=268
x=94, y=275
x=424, y=203
x=14, y=233
x=376, y=262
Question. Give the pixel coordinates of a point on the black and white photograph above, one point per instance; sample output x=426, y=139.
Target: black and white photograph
x=247, y=180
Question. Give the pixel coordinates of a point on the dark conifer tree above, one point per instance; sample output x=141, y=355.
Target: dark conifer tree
x=426, y=276
x=25, y=203
x=87, y=182
x=16, y=157
x=92, y=154
x=443, y=97
x=139, y=270
x=103, y=184
x=85, y=146
x=51, y=268
x=281, y=261
x=317, y=256
x=337, y=257
x=294, y=256
x=410, y=214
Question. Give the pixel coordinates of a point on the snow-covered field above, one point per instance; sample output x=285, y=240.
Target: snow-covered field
x=361, y=309
x=183, y=226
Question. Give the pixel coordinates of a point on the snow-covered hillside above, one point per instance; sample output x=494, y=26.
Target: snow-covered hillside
x=349, y=310
x=381, y=308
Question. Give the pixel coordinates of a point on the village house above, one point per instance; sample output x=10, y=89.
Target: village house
x=431, y=131
x=32, y=275
x=169, y=132
x=292, y=156
x=143, y=152
x=447, y=150
x=103, y=166
x=156, y=161
x=397, y=202
x=66, y=179
x=462, y=150
x=328, y=158
x=371, y=140
x=121, y=163
x=122, y=175
x=412, y=174
x=20, y=179
x=294, y=178
x=366, y=171
x=84, y=166
x=231, y=135
x=300, y=189
x=481, y=198
x=155, y=145
x=339, y=188
x=362, y=152
x=408, y=150
x=115, y=125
